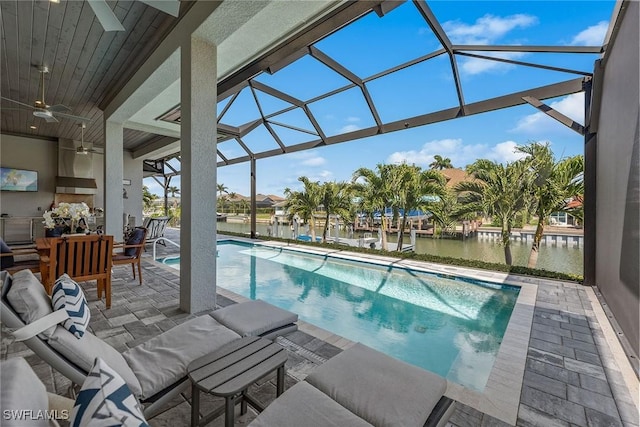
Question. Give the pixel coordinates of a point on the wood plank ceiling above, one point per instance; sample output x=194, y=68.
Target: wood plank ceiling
x=86, y=63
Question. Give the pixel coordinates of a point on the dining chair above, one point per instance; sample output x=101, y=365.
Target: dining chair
x=131, y=251
x=83, y=258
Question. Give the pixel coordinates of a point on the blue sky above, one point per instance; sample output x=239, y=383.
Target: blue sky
x=373, y=44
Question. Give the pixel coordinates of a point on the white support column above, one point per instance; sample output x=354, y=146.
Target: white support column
x=113, y=170
x=198, y=91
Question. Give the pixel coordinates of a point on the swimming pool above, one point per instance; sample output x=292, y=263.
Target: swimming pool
x=447, y=325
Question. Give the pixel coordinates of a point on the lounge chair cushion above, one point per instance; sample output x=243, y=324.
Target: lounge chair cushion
x=163, y=360
x=22, y=390
x=305, y=405
x=5, y=261
x=105, y=399
x=68, y=295
x=29, y=299
x=359, y=379
x=83, y=353
x=254, y=318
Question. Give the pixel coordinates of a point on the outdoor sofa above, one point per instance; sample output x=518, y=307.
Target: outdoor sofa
x=155, y=371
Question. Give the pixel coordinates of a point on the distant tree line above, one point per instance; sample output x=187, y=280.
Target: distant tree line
x=537, y=184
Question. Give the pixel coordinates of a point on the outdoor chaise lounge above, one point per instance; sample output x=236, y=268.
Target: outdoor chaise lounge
x=155, y=228
x=155, y=371
x=362, y=387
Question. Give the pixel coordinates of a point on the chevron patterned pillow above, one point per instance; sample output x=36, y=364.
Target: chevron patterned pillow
x=68, y=295
x=105, y=400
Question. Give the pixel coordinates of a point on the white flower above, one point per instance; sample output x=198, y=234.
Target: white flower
x=72, y=211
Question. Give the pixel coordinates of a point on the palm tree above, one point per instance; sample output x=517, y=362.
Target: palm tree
x=554, y=185
x=173, y=190
x=411, y=187
x=244, y=205
x=305, y=202
x=498, y=190
x=445, y=211
x=232, y=199
x=376, y=192
x=440, y=163
x=148, y=197
x=336, y=199
x=222, y=189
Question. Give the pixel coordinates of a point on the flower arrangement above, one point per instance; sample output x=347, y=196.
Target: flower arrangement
x=65, y=212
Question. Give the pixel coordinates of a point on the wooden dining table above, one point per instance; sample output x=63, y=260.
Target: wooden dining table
x=44, y=248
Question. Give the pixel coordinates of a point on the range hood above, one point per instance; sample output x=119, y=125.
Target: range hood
x=75, y=170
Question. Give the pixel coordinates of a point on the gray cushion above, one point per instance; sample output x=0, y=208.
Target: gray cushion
x=29, y=299
x=22, y=390
x=163, y=360
x=382, y=390
x=304, y=405
x=254, y=318
x=83, y=352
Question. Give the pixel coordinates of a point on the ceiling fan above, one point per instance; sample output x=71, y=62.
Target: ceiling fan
x=50, y=113
x=82, y=149
x=110, y=22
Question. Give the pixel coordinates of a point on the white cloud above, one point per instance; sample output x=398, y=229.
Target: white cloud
x=353, y=119
x=592, y=36
x=505, y=152
x=474, y=66
x=348, y=128
x=486, y=29
x=314, y=161
x=325, y=175
x=460, y=154
x=571, y=106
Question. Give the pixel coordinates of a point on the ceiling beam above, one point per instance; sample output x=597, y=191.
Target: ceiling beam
x=555, y=114
x=544, y=92
x=527, y=49
x=276, y=93
x=163, y=143
x=526, y=64
x=438, y=31
x=338, y=18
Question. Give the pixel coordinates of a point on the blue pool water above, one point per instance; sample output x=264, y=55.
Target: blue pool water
x=447, y=325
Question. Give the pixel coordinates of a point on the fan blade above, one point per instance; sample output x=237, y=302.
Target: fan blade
x=172, y=7
x=51, y=119
x=58, y=108
x=105, y=15
x=72, y=117
x=19, y=103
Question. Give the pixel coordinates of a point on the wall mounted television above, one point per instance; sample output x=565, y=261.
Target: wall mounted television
x=18, y=179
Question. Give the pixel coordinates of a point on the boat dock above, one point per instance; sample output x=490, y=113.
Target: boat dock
x=568, y=239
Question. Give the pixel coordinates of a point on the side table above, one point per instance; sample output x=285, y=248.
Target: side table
x=229, y=371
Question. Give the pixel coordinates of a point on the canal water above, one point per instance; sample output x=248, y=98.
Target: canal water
x=553, y=258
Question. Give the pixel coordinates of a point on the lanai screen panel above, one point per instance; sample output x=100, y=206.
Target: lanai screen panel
x=417, y=64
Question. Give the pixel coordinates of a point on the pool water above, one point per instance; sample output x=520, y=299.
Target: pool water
x=447, y=325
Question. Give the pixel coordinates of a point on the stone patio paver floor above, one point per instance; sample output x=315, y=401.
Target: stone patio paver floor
x=570, y=377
